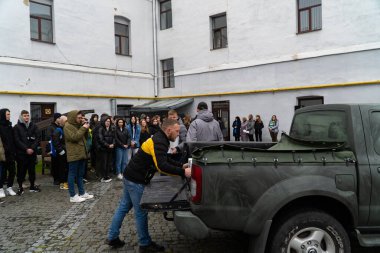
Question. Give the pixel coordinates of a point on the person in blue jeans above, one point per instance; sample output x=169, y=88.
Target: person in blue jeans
x=151, y=157
x=123, y=141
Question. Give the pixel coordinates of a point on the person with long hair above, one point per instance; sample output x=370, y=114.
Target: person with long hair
x=144, y=134
x=258, y=126
x=106, y=147
x=154, y=127
x=123, y=141
x=243, y=131
x=134, y=131
x=273, y=128
x=236, y=128
x=250, y=127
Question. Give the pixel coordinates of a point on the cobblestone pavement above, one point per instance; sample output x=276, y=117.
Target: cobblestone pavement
x=48, y=222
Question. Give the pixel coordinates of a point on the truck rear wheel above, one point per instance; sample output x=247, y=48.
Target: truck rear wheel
x=310, y=232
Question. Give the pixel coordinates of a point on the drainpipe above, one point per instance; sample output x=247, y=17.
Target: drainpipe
x=155, y=56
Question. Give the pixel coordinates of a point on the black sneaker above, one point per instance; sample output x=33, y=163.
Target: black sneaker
x=152, y=247
x=116, y=243
x=34, y=189
x=20, y=191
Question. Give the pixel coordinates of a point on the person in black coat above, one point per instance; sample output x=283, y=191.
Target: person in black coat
x=49, y=133
x=258, y=126
x=9, y=166
x=105, y=147
x=123, y=141
x=27, y=138
x=236, y=128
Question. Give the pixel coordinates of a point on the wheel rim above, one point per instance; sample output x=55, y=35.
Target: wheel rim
x=311, y=240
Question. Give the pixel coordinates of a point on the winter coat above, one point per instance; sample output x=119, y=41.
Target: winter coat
x=258, y=126
x=75, y=138
x=236, y=125
x=136, y=136
x=50, y=130
x=273, y=126
x=2, y=152
x=27, y=136
x=7, y=136
x=122, y=137
x=251, y=126
x=204, y=128
x=106, y=137
x=244, y=136
x=58, y=140
x=154, y=129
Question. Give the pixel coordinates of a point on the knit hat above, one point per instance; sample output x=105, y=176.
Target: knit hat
x=202, y=106
x=56, y=116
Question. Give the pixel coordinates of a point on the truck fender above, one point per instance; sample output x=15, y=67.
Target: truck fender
x=291, y=189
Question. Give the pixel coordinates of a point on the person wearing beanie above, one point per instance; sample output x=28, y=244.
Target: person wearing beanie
x=27, y=138
x=49, y=136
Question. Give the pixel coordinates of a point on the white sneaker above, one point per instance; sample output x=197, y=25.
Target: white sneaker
x=120, y=177
x=10, y=191
x=76, y=199
x=86, y=196
x=106, y=180
x=2, y=193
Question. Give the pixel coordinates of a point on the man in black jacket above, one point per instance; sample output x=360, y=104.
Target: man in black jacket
x=27, y=137
x=9, y=166
x=152, y=156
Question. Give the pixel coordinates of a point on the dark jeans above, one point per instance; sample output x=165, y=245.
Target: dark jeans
x=105, y=162
x=259, y=136
x=26, y=163
x=9, y=168
x=250, y=136
x=62, y=167
x=54, y=168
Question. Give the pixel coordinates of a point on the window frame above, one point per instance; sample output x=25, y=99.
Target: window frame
x=40, y=25
x=310, y=22
x=167, y=73
x=119, y=36
x=218, y=30
x=166, y=17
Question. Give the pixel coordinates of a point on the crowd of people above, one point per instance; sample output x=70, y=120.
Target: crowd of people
x=132, y=151
x=247, y=129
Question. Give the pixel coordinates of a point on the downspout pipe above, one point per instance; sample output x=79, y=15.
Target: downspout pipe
x=155, y=55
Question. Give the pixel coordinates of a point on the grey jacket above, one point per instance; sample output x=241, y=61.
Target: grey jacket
x=250, y=126
x=204, y=128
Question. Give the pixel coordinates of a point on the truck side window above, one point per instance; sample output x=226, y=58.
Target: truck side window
x=320, y=126
x=375, y=130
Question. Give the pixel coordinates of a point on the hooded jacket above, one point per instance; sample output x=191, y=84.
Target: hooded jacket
x=152, y=157
x=6, y=134
x=75, y=138
x=105, y=137
x=27, y=136
x=204, y=128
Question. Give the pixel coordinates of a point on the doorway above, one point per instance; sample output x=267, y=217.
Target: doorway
x=221, y=111
x=41, y=111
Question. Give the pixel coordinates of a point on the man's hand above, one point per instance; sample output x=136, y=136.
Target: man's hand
x=173, y=150
x=186, y=165
x=111, y=146
x=29, y=151
x=86, y=125
x=188, y=172
x=125, y=146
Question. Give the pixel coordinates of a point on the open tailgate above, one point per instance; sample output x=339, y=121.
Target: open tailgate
x=158, y=195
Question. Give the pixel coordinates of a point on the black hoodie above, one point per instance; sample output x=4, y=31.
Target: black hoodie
x=6, y=134
x=105, y=137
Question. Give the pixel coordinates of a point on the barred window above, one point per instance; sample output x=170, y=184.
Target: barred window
x=309, y=15
x=168, y=73
x=41, y=21
x=219, y=31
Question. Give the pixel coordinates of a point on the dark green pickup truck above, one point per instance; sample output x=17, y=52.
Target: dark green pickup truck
x=310, y=193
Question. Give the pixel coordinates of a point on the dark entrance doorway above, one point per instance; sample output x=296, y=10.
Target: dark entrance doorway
x=221, y=111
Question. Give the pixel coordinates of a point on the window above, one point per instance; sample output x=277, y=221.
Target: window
x=309, y=15
x=219, y=31
x=41, y=21
x=375, y=122
x=320, y=126
x=122, y=42
x=308, y=101
x=166, y=14
x=168, y=73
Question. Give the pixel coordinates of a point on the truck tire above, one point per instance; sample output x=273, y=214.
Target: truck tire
x=311, y=231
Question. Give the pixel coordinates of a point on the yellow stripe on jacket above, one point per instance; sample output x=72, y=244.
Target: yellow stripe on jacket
x=148, y=148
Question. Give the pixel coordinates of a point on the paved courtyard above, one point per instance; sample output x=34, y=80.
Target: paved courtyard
x=48, y=222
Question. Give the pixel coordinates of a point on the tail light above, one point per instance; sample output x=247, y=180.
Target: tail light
x=196, y=184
